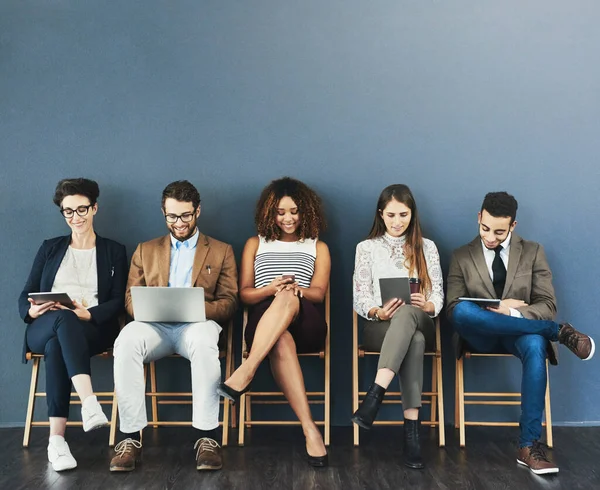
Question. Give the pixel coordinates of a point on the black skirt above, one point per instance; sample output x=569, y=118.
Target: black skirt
x=308, y=329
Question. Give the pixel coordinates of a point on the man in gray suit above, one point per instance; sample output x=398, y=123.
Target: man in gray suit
x=498, y=264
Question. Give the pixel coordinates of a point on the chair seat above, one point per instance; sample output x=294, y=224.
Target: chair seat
x=320, y=354
x=272, y=397
x=104, y=398
x=175, y=398
x=362, y=351
x=434, y=398
x=30, y=355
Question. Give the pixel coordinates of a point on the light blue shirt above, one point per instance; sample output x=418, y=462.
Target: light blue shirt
x=182, y=261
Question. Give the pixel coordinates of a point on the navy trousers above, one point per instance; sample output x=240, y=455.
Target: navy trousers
x=67, y=344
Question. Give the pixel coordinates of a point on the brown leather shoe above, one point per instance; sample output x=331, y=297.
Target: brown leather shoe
x=534, y=457
x=128, y=453
x=208, y=454
x=580, y=344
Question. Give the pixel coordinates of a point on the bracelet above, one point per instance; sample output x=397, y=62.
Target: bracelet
x=376, y=316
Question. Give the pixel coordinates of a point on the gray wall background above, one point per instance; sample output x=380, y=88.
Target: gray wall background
x=452, y=98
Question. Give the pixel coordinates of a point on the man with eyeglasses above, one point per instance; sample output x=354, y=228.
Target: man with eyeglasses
x=183, y=258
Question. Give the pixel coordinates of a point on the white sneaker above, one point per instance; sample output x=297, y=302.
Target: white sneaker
x=92, y=414
x=60, y=455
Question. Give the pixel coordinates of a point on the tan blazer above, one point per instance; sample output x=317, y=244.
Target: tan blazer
x=528, y=278
x=214, y=269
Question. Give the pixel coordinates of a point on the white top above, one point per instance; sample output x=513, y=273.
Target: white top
x=384, y=257
x=276, y=258
x=78, y=276
x=490, y=255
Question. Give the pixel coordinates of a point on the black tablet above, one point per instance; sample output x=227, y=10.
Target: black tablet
x=394, y=287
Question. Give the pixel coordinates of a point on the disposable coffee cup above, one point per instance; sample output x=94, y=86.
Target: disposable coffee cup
x=415, y=285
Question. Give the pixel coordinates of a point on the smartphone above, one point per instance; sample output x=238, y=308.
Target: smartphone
x=288, y=277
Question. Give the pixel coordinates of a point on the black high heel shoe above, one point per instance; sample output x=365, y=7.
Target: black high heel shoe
x=318, y=461
x=233, y=395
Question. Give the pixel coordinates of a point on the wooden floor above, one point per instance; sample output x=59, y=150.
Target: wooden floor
x=272, y=458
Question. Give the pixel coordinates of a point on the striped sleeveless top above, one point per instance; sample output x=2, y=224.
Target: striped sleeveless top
x=277, y=258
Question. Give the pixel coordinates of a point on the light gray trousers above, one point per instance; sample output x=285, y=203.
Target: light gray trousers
x=402, y=342
x=141, y=342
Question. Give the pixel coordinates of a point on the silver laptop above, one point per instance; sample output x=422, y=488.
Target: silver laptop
x=160, y=304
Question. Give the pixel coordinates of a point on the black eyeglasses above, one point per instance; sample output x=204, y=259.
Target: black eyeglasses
x=81, y=211
x=185, y=217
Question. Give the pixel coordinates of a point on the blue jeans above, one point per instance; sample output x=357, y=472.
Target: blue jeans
x=487, y=331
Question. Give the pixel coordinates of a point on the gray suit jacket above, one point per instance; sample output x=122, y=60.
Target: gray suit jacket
x=528, y=278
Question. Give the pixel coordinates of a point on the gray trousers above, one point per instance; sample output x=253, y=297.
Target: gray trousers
x=402, y=342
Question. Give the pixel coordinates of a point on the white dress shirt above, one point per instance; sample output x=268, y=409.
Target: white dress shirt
x=490, y=255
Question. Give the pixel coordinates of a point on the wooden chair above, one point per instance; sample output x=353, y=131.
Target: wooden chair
x=490, y=398
x=274, y=397
x=156, y=396
x=104, y=398
x=435, y=396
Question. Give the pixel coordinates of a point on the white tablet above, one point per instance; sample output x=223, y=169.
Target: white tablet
x=492, y=303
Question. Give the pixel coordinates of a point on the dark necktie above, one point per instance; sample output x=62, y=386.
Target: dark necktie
x=499, y=272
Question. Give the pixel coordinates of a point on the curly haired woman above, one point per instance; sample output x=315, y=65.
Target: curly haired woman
x=283, y=281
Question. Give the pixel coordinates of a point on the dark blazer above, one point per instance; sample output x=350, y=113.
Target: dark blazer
x=111, y=262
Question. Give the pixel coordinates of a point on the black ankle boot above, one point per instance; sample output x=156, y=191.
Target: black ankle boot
x=369, y=407
x=412, y=444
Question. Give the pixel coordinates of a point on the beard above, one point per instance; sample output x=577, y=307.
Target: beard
x=190, y=232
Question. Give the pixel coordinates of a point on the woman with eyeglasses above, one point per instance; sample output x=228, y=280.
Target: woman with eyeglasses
x=93, y=271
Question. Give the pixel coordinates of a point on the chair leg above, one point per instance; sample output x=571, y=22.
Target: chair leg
x=355, y=400
x=456, y=395
x=153, y=388
x=225, y=422
x=31, y=402
x=232, y=407
x=249, y=408
x=440, y=396
x=242, y=424
x=461, y=401
x=327, y=405
x=549, y=439
x=433, y=404
x=113, y=421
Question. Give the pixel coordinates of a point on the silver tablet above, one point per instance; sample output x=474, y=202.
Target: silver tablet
x=62, y=298
x=163, y=304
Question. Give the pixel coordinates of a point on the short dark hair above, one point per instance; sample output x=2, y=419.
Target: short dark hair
x=72, y=187
x=500, y=205
x=182, y=191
